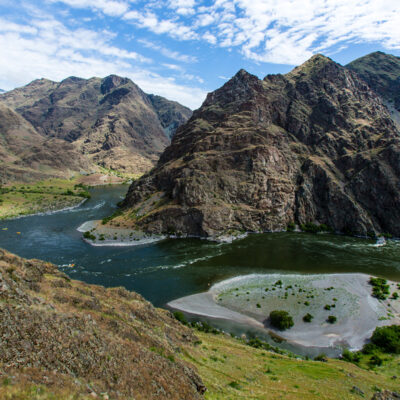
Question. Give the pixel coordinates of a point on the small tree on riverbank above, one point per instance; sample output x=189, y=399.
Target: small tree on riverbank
x=281, y=320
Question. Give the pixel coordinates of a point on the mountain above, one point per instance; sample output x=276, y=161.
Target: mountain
x=170, y=113
x=2, y=91
x=25, y=155
x=382, y=73
x=111, y=121
x=88, y=340
x=316, y=145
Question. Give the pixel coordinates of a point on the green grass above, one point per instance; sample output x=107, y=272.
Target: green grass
x=254, y=373
x=52, y=194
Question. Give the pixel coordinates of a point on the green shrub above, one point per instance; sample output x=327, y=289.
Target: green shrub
x=313, y=228
x=321, y=357
x=180, y=317
x=369, y=348
x=331, y=319
x=290, y=227
x=281, y=320
x=380, y=288
x=234, y=385
x=308, y=317
x=375, y=360
x=387, y=338
x=327, y=307
x=89, y=236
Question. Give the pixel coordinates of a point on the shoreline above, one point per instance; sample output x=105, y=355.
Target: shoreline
x=358, y=313
x=48, y=212
x=99, y=235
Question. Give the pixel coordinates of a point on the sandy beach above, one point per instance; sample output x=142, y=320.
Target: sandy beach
x=250, y=299
x=103, y=235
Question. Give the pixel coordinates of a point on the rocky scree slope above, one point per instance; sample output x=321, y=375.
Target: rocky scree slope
x=87, y=339
x=315, y=145
x=382, y=73
x=111, y=121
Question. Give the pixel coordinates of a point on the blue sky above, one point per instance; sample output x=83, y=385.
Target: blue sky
x=182, y=49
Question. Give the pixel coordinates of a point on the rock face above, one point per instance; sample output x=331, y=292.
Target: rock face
x=26, y=155
x=170, y=113
x=315, y=145
x=382, y=73
x=89, y=339
x=111, y=121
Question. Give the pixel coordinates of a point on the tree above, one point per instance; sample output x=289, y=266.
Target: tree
x=281, y=319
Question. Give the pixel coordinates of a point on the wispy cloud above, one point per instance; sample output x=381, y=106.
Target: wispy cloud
x=48, y=48
x=109, y=7
x=168, y=26
x=174, y=55
x=288, y=31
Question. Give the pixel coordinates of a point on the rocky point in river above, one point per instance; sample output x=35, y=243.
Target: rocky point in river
x=79, y=339
x=110, y=122
x=316, y=145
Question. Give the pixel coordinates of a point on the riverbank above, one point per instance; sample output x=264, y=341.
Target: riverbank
x=347, y=297
x=23, y=199
x=98, y=234
x=41, y=197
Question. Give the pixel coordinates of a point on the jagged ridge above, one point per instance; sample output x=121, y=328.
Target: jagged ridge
x=315, y=145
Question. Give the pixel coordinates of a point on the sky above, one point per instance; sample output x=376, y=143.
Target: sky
x=183, y=49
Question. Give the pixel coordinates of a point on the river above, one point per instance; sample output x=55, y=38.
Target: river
x=174, y=268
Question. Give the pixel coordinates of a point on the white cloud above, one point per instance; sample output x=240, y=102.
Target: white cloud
x=183, y=7
x=174, y=55
x=150, y=21
x=284, y=31
x=109, y=7
x=47, y=48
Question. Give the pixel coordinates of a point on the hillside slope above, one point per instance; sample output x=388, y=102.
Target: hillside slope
x=110, y=121
x=313, y=146
x=25, y=155
x=382, y=73
x=64, y=339
x=87, y=339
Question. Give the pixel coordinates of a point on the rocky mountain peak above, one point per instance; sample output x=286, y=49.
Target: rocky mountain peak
x=317, y=66
x=111, y=82
x=382, y=73
x=315, y=145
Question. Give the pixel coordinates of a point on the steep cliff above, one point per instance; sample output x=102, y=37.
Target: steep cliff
x=315, y=145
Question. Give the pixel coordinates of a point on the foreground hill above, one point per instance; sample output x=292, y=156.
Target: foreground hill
x=382, y=73
x=64, y=339
x=84, y=338
x=110, y=121
x=316, y=145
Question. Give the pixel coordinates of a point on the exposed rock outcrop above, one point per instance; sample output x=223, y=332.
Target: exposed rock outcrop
x=91, y=340
x=110, y=121
x=315, y=145
x=382, y=73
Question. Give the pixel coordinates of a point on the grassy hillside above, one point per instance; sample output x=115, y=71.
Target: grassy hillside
x=233, y=370
x=64, y=339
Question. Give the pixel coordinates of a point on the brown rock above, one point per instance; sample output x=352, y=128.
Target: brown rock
x=313, y=146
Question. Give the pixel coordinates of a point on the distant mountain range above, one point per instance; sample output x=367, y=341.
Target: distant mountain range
x=57, y=128
x=318, y=146
x=2, y=91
